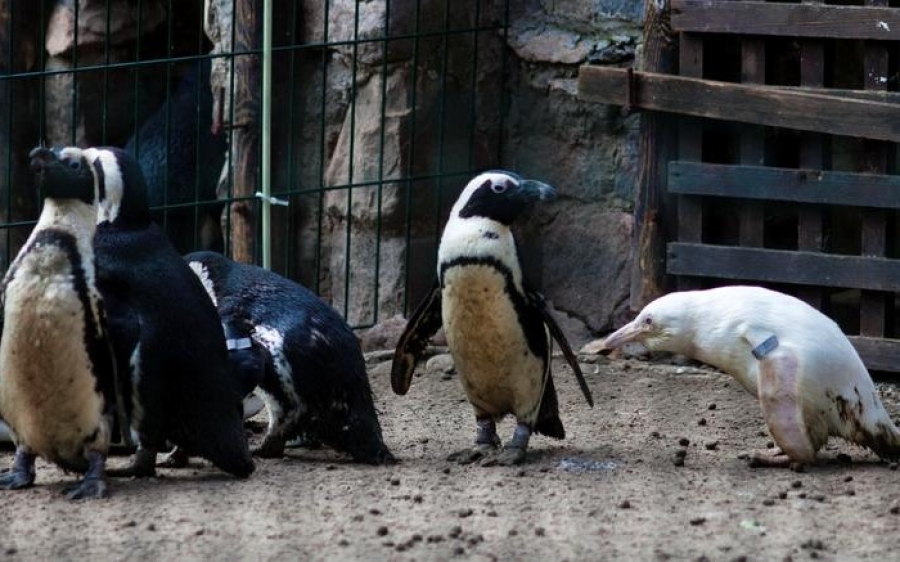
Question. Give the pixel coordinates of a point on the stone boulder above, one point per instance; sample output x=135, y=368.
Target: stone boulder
x=95, y=24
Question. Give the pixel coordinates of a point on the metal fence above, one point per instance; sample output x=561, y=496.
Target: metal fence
x=381, y=111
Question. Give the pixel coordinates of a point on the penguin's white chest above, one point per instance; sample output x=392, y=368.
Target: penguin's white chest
x=499, y=372
x=47, y=388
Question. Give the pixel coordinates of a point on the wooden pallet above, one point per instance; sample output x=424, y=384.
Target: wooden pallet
x=755, y=184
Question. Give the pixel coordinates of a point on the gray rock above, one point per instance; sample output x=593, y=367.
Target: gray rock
x=94, y=22
x=441, y=363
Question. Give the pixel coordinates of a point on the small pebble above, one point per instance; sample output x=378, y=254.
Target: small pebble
x=446, y=470
x=520, y=473
x=893, y=466
x=330, y=467
x=465, y=512
x=625, y=504
x=199, y=532
x=844, y=458
x=654, y=434
x=768, y=501
x=848, y=479
x=697, y=521
x=782, y=495
x=851, y=492
x=712, y=406
x=512, y=532
x=770, y=445
x=417, y=498
x=395, y=481
x=357, y=518
x=895, y=509
x=711, y=445
x=701, y=421
x=802, y=495
x=382, y=531
x=819, y=497
x=151, y=527
x=473, y=540
x=796, y=484
x=681, y=453
x=455, y=532
x=678, y=461
x=343, y=542
x=539, y=531
x=459, y=551
x=435, y=538
x=684, y=441
x=375, y=511
x=491, y=513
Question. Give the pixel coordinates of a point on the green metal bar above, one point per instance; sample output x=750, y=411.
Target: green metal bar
x=266, y=163
x=381, y=141
x=350, y=168
x=412, y=150
x=320, y=212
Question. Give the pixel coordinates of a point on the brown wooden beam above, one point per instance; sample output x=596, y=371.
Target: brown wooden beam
x=878, y=354
x=783, y=19
x=783, y=266
x=246, y=115
x=746, y=103
x=785, y=184
x=656, y=149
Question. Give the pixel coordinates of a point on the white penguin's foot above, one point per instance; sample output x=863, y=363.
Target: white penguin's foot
x=21, y=475
x=774, y=459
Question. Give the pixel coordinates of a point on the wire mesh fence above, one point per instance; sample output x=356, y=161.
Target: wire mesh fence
x=381, y=111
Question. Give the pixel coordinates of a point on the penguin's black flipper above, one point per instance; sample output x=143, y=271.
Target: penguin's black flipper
x=557, y=333
x=548, y=422
x=423, y=324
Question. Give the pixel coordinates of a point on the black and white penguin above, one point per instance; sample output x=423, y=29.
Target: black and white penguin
x=182, y=158
x=57, y=369
x=499, y=331
x=165, y=331
x=303, y=356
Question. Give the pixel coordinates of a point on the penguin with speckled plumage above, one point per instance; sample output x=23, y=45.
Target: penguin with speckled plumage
x=499, y=331
x=303, y=356
x=57, y=369
x=165, y=331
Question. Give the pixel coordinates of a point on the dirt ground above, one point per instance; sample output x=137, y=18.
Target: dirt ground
x=611, y=490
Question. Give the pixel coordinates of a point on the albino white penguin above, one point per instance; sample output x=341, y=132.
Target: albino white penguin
x=499, y=331
x=810, y=381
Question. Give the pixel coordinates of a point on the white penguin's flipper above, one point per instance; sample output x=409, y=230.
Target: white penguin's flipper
x=782, y=408
x=423, y=324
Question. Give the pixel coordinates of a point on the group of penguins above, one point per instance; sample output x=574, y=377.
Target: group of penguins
x=109, y=335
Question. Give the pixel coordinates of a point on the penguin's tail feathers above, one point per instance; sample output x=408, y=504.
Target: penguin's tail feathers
x=883, y=439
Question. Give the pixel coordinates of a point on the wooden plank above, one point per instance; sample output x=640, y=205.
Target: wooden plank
x=873, y=306
x=878, y=354
x=787, y=20
x=690, y=147
x=246, y=100
x=746, y=103
x=812, y=146
x=656, y=148
x=783, y=266
x=753, y=147
x=785, y=184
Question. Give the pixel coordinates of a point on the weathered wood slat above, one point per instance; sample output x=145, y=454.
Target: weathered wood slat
x=690, y=147
x=788, y=20
x=657, y=147
x=785, y=184
x=753, y=144
x=746, y=103
x=877, y=353
x=783, y=266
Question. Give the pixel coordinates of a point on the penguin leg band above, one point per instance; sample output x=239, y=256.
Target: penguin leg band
x=520, y=437
x=487, y=432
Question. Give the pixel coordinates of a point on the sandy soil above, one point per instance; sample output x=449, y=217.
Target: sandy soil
x=611, y=490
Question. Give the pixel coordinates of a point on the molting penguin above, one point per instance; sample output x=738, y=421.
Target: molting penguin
x=304, y=357
x=182, y=159
x=57, y=370
x=164, y=329
x=499, y=331
x=809, y=380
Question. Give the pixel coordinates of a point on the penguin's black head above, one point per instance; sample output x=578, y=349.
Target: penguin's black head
x=110, y=176
x=63, y=173
x=500, y=196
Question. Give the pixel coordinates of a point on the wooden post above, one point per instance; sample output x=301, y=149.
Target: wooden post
x=648, y=271
x=245, y=138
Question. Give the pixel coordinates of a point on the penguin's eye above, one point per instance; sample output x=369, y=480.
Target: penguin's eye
x=648, y=321
x=75, y=164
x=499, y=188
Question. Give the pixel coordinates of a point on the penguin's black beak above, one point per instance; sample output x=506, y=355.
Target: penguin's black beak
x=537, y=191
x=40, y=158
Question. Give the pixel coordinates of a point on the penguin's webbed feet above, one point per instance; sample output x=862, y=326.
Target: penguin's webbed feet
x=514, y=452
x=472, y=454
x=142, y=466
x=177, y=458
x=775, y=459
x=272, y=447
x=93, y=485
x=21, y=475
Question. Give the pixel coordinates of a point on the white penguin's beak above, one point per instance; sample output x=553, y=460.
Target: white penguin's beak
x=631, y=332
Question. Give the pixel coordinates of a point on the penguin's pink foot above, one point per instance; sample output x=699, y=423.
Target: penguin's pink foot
x=774, y=459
